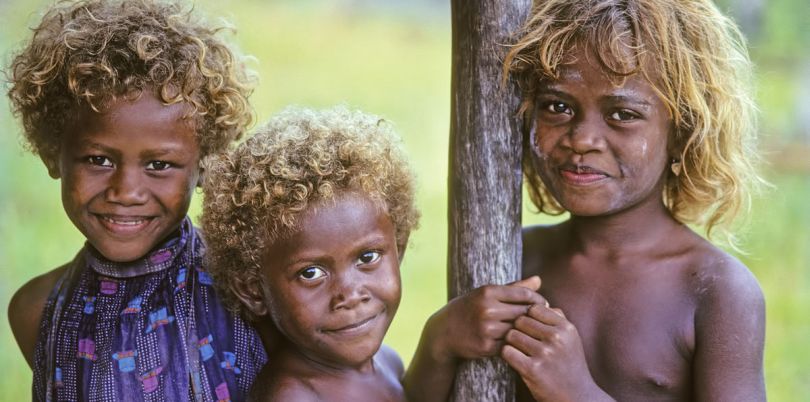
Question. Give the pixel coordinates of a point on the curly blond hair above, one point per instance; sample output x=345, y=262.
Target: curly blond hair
x=86, y=54
x=692, y=55
x=254, y=194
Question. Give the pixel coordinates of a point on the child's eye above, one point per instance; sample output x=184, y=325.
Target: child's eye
x=369, y=257
x=158, y=165
x=311, y=273
x=558, y=107
x=99, y=161
x=623, y=115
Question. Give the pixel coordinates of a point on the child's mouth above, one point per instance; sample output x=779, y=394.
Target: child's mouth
x=581, y=175
x=123, y=225
x=357, y=327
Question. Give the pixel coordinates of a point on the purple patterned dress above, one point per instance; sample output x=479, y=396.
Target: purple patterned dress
x=150, y=330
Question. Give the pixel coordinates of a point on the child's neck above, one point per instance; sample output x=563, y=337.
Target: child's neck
x=306, y=364
x=630, y=231
x=289, y=369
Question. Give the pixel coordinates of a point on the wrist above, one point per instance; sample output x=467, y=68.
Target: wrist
x=435, y=340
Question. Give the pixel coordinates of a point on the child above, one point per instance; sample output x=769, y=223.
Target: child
x=121, y=100
x=639, y=121
x=311, y=218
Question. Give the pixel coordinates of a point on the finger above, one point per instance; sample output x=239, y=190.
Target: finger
x=519, y=295
x=523, y=342
x=546, y=315
x=506, y=312
x=495, y=330
x=516, y=359
x=535, y=329
x=532, y=283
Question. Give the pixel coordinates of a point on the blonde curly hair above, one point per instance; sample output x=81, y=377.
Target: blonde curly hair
x=254, y=194
x=692, y=55
x=87, y=54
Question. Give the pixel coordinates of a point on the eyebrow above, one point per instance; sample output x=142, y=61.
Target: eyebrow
x=150, y=153
x=629, y=96
x=549, y=90
x=96, y=146
x=369, y=241
x=155, y=153
x=621, y=96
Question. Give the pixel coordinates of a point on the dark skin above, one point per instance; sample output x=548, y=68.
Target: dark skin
x=127, y=176
x=331, y=288
x=640, y=308
x=25, y=311
x=290, y=377
x=633, y=321
x=470, y=326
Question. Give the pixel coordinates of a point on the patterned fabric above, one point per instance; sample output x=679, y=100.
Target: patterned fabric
x=152, y=330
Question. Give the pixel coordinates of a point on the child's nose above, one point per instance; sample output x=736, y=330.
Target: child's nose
x=126, y=187
x=349, y=292
x=586, y=135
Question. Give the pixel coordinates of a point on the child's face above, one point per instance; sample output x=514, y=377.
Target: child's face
x=128, y=175
x=599, y=148
x=333, y=286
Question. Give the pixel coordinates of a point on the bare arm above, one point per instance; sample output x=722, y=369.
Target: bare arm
x=729, y=336
x=468, y=327
x=25, y=311
x=432, y=370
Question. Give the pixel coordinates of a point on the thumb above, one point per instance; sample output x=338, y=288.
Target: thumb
x=532, y=282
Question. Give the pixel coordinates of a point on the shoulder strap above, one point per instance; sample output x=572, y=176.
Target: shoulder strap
x=59, y=295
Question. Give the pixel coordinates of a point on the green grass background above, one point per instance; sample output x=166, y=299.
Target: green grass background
x=393, y=59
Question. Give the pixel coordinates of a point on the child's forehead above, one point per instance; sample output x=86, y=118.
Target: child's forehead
x=144, y=108
x=127, y=117
x=616, y=64
x=347, y=219
x=348, y=196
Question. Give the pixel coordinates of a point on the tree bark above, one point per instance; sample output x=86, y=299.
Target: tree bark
x=485, y=173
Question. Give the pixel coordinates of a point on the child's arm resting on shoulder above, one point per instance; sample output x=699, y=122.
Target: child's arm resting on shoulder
x=25, y=311
x=729, y=336
x=468, y=327
x=546, y=351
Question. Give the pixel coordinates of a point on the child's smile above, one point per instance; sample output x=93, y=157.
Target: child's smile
x=600, y=148
x=333, y=286
x=128, y=175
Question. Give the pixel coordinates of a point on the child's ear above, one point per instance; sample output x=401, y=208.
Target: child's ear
x=402, y=247
x=201, y=177
x=52, y=164
x=675, y=144
x=250, y=294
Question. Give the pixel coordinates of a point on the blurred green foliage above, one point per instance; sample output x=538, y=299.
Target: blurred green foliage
x=394, y=60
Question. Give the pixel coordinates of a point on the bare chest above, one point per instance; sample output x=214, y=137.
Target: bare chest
x=637, y=333
x=360, y=392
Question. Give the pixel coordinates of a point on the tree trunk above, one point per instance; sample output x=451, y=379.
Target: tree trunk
x=485, y=173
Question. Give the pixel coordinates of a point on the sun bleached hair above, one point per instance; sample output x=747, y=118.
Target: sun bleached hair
x=88, y=54
x=694, y=57
x=254, y=194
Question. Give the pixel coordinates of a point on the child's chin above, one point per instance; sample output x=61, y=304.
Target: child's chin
x=357, y=356
x=122, y=253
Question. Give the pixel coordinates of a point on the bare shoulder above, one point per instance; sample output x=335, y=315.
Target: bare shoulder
x=729, y=330
x=541, y=243
x=723, y=281
x=391, y=362
x=270, y=387
x=25, y=310
x=730, y=310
